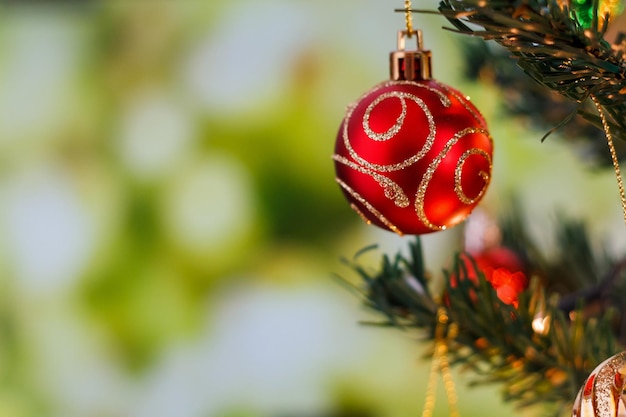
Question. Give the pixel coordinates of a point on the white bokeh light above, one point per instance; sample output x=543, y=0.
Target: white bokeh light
x=75, y=364
x=48, y=232
x=210, y=207
x=39, y=58
x=272, y=350
x=155, y=133
x=234, y=69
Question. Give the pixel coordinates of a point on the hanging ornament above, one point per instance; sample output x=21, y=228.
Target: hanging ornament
x=502, y=268
x=413, y=155
x=602, y=393
x=485, y=255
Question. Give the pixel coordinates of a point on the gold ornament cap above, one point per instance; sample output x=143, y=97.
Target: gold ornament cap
x=413, y=64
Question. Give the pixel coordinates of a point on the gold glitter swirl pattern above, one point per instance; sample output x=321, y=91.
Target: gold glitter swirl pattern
x=368, y=206
x=360, y=213
x=392, y=190
x=402, y=96
x=394, y=129
x=458, y=188
x=443, y=99
x=383, y=173
x=430, y=171
x=428, y=143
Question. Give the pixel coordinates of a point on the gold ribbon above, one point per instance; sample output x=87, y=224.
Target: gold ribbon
x=609, y=139
x=443, y=334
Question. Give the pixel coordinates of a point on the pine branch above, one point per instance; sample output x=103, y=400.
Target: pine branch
x=545, y=110
x=541, y=350
x=399, y=290
x=500, y=343
x=552, y=47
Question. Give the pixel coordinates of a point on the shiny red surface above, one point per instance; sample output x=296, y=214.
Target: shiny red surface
x=441, y=204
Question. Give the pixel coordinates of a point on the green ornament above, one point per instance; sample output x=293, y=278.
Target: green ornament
x=584, y=10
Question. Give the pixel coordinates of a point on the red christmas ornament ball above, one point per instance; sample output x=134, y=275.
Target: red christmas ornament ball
x=504, y=269
x=501, y=267
x=413, y=157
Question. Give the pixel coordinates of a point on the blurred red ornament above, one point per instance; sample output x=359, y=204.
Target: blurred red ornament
x=413, y=155
x=602, y=394
x=498, y=257
x=503, y=269
x=508, y=285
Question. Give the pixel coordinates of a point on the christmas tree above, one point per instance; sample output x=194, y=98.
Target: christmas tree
x=169, y=224
x=539, y=324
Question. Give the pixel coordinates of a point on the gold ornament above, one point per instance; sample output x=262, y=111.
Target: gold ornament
x=602, y=394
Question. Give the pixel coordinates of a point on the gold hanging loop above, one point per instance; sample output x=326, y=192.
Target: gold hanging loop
x=408, y=17
x=409, y=64
x=609, y=139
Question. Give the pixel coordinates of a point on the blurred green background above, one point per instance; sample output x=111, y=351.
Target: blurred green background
x=169, y=222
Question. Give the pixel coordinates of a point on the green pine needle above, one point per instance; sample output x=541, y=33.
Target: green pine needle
x=552, y=47
x=497, y=342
